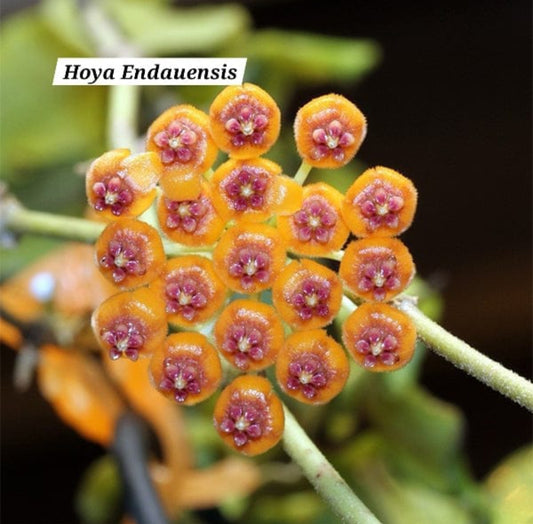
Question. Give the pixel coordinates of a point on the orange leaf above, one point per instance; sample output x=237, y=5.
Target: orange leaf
x=79, y=392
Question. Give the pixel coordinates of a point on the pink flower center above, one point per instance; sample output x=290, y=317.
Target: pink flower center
x=245, y=188
x=311, y=298
x=315, y=221
x=125, y=337
x=124, y=257
x=246, y=122
x=377, y=344
x=186, y=295
x=331, y=139
x=251, y=265
x=245, y=420
x=308, y=374
x=182, y=376
x=379, y=275
x=245, y=342
x=186, y=214
x=114, y=194
x=380, y=203
x=179, y=142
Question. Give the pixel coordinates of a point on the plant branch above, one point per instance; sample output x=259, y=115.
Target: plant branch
x=322, y=475
x=129, y=449
x=123, y=99
x=468, y=359
x=122, y=116
x=18, y=219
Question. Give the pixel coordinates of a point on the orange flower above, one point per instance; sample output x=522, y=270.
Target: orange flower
x=129, y=253
x=121, y=184
x=328, y=131
x=377, y=269
x=379, y=337
x=186, y=368
x=253, y=190
x=312, y=367
x=249, y=257
x=190, y=222
x=182, y=140
x=317, y=228
x=191, y=290
x=381, y=202
x=307, y=295
x=130, y=324
x=249, y=416
x=77, y=389
x=245, y=121
x=249, y=334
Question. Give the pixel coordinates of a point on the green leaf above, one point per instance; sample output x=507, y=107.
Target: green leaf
x=341, y=179
x=62, y=18
x=43, y=125
x=430, y=300
x=303, y=507
x=161, y=29
x=28, y=249
x=307, y=57
x=418, y=422
x=99, y=494
x=511, y=488
x=396, y=494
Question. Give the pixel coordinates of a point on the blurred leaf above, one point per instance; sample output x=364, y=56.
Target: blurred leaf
x=341, y=179
x=397, y=498
x=38, y=190
x=43, y=125
x=62, y=18
x=430, y=301
x=511, y=488
x=161, y=29
x=308, y=57
x=99, y=494
x=419, y=422
x=304, y=507
x=79, y=392
x=28, y=248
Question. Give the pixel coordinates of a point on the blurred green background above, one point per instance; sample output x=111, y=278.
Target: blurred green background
x=446, y=90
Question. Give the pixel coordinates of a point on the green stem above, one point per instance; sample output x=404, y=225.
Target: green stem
x=20, y=220
x=468, y=359
x=322, y=475
x=301, y=175
x=335, y=255
x=123, y=99
x=122, y=116
x=172, y=249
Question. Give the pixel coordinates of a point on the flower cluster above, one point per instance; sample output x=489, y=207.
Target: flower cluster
x=241, y=284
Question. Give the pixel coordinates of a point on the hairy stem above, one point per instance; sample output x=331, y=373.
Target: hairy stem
x=322, y=475
x=468, y=359
x=18, y=219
